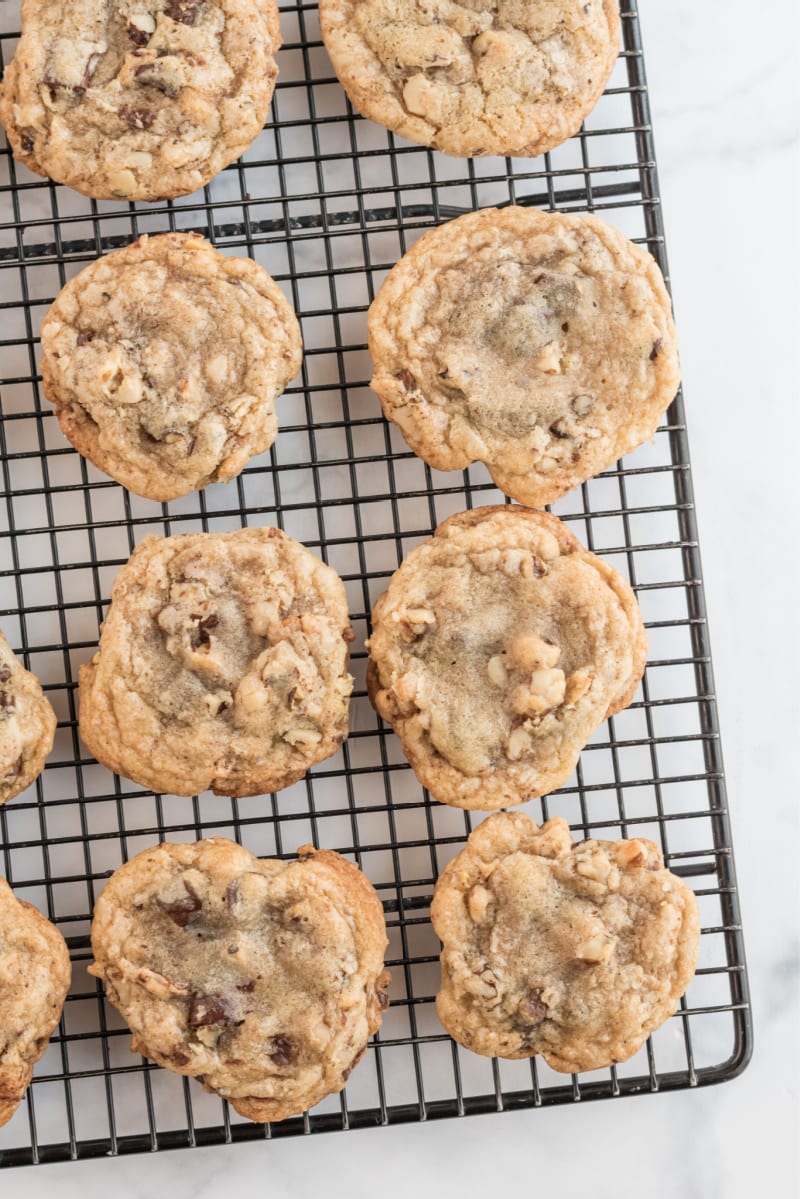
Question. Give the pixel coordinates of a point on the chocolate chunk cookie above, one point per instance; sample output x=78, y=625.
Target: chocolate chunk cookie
x=477, y=77
x=27, y=725
x=35, y=975
x=164, y=360
x=222, y=664
x=499, y=647
x=263, y=979
x=140, y=99
x=575, y=951
x=540, y=344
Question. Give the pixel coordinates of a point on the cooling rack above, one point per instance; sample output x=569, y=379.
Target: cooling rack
x=328, y=202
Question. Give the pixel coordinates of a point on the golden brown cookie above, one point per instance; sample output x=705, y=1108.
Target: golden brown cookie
x=499, y=647
x=27, y=725
x=164, y=360
x=539, y=343
x=222, y=664
x=140, y=99
x=472, y=78
x=574, y=951
x=263, y=979
x=35, y=974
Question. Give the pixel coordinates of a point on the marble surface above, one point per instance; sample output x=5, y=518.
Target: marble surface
x=725, y=103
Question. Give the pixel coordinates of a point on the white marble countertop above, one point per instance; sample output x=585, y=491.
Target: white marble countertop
x=725, y=102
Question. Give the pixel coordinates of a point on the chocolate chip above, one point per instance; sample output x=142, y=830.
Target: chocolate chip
x=233, y=949
x=382, y=998
x=27, y=144
x=7, y=702
x=181, y=910
x=182, y=11
x=150, y=76
x=137, y=118
x=656, y=350
x=5, y=673
x=139, y=37
x=531, y=1009
x=283, y=1053
x=85, y=338
x=445, y=374
x=246, y=987
x=209, y=1009
x=408, y=380
x=558, y=430
x=205, y=623
x=232, y=894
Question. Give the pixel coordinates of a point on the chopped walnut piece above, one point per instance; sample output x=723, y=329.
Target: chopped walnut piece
x=549, y=358
x=596, y=949
x=531, y=651
x=479, y=901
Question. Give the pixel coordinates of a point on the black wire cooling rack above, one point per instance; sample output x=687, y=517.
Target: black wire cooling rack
x=328, y=202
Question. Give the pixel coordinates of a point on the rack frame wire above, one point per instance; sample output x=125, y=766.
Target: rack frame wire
x=328, y=201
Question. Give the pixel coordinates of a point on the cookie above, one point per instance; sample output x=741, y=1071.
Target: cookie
x=35, y=974
x=222, y=664
x=477, y=78
x=163, y=361
x=263, y=979
x=538, y=343
x=140, y=99
x=499, y=647
x=27, y=725
x=574, y=951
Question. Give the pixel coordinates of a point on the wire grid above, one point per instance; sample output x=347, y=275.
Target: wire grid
x=328, y=202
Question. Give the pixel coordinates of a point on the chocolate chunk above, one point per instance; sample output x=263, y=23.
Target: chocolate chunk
x=181, y=910
x=5, y=673
x=232, y=894
x=283, y=1052
x=27, y=143
x=7, y=702
x=246, y=987
x=656, y=350
x=137, y=118
x=183, y=11
x=233, y=949
x=14, y=769
x=382, y=998
x=139, y=37
x=209, y=1009
x=408, y=380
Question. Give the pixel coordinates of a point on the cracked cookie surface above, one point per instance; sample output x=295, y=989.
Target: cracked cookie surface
x=264, y=979
x=539, y=343
x=478, y=77
x=27, y=725
x=139, y=99
x=574, y=951
x=222, y=664
x=164, y=360
x=35, y=974
x=499, y=647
